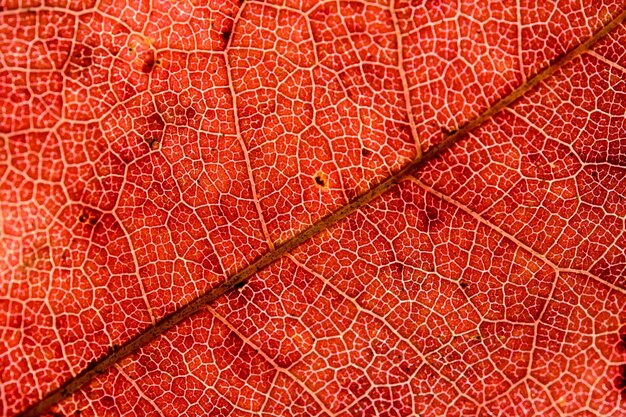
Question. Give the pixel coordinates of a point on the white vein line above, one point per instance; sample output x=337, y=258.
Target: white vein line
x=139, y=390
x=244, y=149
x=383, y=320
x=520, y=27
x=358, y=306
x=133, y=252
x=573, y=176
x=558, y=271
x=269, y=393
x=539, y=130
x=269, y=360
x=515, y=240
x=403, y=78
x=605, y=60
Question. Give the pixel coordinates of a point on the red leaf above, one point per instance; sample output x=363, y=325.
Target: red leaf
x=305, y=208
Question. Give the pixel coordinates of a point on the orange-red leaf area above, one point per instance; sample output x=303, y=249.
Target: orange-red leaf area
x=151, y=150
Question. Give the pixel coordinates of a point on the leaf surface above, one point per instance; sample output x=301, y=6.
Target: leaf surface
x=150, y=153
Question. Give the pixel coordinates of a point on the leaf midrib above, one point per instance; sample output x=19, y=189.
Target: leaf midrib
x=116, y=354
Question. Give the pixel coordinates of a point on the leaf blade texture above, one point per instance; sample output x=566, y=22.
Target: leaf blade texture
x=152, y=153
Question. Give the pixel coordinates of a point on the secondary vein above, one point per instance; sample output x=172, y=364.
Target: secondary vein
x=116, y=354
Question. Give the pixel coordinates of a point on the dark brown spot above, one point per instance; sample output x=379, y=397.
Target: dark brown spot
x=620, y=380
x=406, y=368
x=226, y=35
x=432, y=213
x=428, y=218
x=153, y=143
x=406, y=129
x=366, y=153
x=92, y=364
x=83, y=218
x=463, y=284
x=397, y=268
x=240, y=285
x=447, y=131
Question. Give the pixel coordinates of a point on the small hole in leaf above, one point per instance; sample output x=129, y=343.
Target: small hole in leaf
x=88, y=216
x=321, y=180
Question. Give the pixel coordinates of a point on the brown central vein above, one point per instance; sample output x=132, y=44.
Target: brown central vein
x=166, y=323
